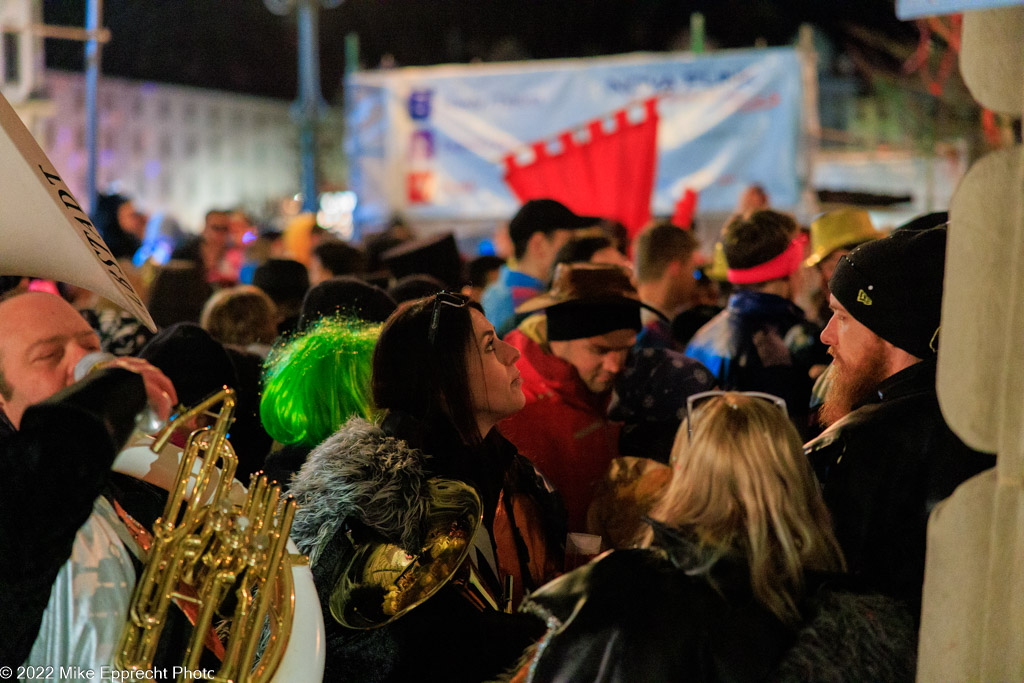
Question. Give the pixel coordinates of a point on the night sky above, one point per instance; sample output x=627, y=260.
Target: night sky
x=239, y=45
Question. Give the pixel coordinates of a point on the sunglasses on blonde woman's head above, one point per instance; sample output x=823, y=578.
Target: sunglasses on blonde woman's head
x=694, y=402
x=442, y=299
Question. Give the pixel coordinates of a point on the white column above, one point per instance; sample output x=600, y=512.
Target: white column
x=973, y=609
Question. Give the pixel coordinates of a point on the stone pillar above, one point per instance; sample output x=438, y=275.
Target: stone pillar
x=973, y=609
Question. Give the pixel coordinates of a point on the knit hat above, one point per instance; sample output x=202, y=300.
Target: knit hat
x=893, y=286
x=582, y=320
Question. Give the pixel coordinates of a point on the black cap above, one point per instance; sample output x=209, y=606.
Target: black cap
x=546, y=216
x=893, y=286
x=437, y=256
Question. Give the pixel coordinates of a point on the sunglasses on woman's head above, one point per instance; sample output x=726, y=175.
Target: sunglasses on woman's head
x=443, y=299
x=694, y=401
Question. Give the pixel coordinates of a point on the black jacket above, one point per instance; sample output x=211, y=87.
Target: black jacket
x=667, y=614
x=883, y=468
x=51, y=471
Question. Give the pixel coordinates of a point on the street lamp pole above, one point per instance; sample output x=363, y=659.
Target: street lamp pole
x=308, y=109
x=93, y=19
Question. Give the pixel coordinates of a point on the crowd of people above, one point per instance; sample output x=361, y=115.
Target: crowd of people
x=664, y=468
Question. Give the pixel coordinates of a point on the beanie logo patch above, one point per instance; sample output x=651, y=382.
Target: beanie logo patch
x=863, y=298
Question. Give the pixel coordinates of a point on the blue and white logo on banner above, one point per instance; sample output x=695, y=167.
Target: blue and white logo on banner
x=419, y=105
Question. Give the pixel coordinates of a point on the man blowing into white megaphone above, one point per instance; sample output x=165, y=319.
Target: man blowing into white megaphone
x=58, y=438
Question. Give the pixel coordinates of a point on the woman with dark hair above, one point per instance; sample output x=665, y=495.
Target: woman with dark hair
x=444, y=380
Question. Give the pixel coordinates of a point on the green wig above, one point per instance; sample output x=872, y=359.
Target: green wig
x=313, y=382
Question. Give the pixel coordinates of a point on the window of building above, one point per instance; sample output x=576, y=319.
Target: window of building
x=12, y=67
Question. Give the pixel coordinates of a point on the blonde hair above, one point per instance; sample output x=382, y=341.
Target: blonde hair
x=741, y=484
x=240, y=315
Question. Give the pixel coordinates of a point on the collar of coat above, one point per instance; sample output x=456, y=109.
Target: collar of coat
x=368, y=473
x=545, y=373
x=362, y=473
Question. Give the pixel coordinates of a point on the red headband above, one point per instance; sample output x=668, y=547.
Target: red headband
x=783, y=265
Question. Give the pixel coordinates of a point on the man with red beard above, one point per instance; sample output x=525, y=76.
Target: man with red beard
x=888, y=456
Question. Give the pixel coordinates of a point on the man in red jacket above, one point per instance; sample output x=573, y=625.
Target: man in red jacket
x=571, y=355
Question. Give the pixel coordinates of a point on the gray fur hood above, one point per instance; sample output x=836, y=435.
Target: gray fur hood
x=360, y=472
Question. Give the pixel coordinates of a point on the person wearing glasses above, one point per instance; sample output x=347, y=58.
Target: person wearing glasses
x=213, y=251
x=444, y=380
x=739, y=577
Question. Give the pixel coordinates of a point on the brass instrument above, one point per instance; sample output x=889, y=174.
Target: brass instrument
x=380, y=582
x=205, y=551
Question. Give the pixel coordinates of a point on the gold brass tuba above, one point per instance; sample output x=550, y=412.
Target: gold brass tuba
x=204, y=551
x=379, y=582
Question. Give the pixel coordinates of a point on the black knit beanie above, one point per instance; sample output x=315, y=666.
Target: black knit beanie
x=893, y=286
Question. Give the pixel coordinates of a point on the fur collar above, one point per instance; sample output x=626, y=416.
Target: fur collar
x=361, y=473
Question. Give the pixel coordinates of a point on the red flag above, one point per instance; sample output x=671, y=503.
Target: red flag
x=686, y=207
x=610, y=175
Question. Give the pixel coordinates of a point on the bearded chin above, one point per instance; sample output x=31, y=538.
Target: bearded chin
x=850, y=387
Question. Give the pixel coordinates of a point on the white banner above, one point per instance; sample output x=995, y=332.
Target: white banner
x=430, y=141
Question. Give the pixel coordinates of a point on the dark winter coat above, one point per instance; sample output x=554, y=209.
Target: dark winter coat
x=883, y=468
x=377, y=477
x=51, y=471
x=665, y=615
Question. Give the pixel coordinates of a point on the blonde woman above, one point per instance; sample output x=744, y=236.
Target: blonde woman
x=739, y=580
